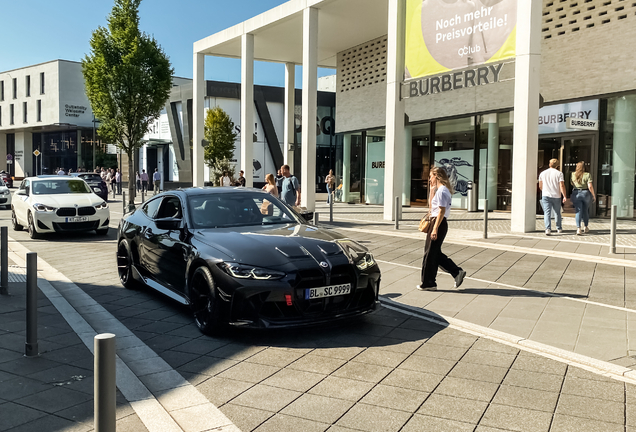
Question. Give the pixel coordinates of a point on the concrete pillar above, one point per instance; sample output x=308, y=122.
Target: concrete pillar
x=406, y=180
x=346, y=167
x=3, y=151
x=526, y=106
x=310, y=108
x=394, y=145
x=624, y=156
x=198, y=113
x=247, y=108
x=23, y=157
x=290, y=101
x=492, y=167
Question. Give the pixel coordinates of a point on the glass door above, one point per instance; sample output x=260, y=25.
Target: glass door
x=574, y=150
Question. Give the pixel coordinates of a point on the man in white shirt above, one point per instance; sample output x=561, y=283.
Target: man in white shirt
x=552, y=187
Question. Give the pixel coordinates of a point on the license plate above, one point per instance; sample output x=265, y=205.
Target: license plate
x=77, y=219
x=328, y=291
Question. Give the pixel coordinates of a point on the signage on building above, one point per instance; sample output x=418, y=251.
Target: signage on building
x=111, y=149
x=453, y=81
x=74, y=110
x=556, y=118
x=579, y=123
x=442, y=36
x=19, y=154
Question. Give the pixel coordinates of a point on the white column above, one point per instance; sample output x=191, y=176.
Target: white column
x=406, y=177
x=394, y=147
x=23, y=157
x=3, y=151
x=526, y=134
x=624, y=156
x=247, y=108
x=346, y=167
x=310, y=103
x=290, y=101
x=198, y=112
x=492, y=167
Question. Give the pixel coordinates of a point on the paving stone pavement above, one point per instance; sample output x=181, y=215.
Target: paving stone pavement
x=387, y=372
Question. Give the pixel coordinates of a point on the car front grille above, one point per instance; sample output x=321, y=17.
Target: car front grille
x=86, y=211
x=65, y=211
x=3, y=200
x=75, y=226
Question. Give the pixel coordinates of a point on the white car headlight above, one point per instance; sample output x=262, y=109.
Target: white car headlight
x=241, y=271
x=6, y=192
x=103, y=205
x=43, y=208
x=97, y=190
x=366, y=262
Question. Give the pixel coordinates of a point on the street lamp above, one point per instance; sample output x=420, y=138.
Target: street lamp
x=94, y=121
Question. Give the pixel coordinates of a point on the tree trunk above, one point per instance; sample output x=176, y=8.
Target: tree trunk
x=132, y=180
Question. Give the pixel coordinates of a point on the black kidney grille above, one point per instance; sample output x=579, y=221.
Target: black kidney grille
x=86, y=211
x=65, y=211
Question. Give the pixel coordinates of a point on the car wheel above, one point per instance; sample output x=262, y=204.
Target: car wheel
x=32, y=231
x=205, y=304
x=14, y=222
x=125, y=266
x=102, y=231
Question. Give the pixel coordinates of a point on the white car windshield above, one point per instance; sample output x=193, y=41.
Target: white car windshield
x=59, y=186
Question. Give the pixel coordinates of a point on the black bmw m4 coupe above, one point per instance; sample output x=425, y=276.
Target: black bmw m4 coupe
x=242, y=257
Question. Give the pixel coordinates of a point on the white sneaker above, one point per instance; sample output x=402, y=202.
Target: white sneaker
x=548, y=231
x=587, y=230
x=578, y=231
x=421, y=288
x=559, y=231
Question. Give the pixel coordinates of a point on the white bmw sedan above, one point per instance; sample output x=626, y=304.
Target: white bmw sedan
x=5, y=195
x=50, y=204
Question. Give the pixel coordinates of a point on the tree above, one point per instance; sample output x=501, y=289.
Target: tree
x=220, y=135
x=218, y=168
x=128, y=79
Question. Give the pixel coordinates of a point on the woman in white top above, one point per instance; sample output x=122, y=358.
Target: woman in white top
x=433, y=255
x=270, y=186
x=225, y=180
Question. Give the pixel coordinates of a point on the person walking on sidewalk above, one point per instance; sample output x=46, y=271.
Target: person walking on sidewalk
x=144, y=180
x=118, y=181
x=290, y=194
x=582, y=196
x=441, y=190
x=156, y=181
x=330, y=181
x=552, y=187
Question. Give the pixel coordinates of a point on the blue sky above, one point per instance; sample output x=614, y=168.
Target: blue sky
x=36, y=31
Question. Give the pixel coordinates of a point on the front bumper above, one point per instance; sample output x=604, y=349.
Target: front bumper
x=50, y=222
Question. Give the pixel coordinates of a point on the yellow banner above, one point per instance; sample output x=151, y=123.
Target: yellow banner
x=444, y=35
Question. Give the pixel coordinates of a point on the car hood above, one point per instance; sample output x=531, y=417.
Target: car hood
x=67, y=200
x=273, y=246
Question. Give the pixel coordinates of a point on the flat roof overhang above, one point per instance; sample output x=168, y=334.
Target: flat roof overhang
x=278, y=33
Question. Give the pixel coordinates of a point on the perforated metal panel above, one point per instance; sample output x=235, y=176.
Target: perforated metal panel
x=562, y=17
x=363, y=65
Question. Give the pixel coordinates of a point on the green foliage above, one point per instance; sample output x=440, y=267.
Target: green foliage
x=128, y=79
x=220, y=135
x=218, y=168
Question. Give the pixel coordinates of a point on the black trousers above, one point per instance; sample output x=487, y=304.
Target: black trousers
x=434, y=257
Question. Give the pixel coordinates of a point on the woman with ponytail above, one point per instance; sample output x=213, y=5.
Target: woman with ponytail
x=441, y=192
x=582, y=196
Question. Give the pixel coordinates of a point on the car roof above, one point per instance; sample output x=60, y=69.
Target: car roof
x=194, y=191
x=49, y=177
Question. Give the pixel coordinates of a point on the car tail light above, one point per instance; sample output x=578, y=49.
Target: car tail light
x=288, y=299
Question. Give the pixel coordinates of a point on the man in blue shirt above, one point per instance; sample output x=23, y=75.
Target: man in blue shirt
x=156, y=181
x=290, y=193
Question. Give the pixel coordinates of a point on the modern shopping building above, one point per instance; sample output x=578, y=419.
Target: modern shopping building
x=490, y=89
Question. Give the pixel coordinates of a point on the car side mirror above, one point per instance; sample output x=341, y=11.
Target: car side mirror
x=20, y=192
x=168, y=224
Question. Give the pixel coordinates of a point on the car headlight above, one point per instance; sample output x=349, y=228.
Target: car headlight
x=7, y=192
x=97, y=190
x=103, y=205
x=241, y=271
x=43, y=208
x=366, y=262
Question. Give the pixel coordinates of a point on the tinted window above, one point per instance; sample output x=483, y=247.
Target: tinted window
x=240, y=209
x=170, y=208
x=150, y=208
x=56, y=186
x=91, y=177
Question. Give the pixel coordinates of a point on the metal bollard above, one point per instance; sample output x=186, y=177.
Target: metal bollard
x=398, y=207
x=315, y=218
x=485, y=218
x=142, y=196
x=31, y=344
x=612, y=248
x=114, y=191
x=332, y=196
x=123, y=202
x=105, y=383
x=4, y=260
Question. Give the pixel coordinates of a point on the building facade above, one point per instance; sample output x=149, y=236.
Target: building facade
x=568, y=92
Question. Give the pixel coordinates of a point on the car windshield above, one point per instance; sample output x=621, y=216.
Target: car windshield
x=59, y=186
x=91, y=177
x=226, y=210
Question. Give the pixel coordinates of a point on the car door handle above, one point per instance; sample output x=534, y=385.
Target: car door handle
x=148, y=233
